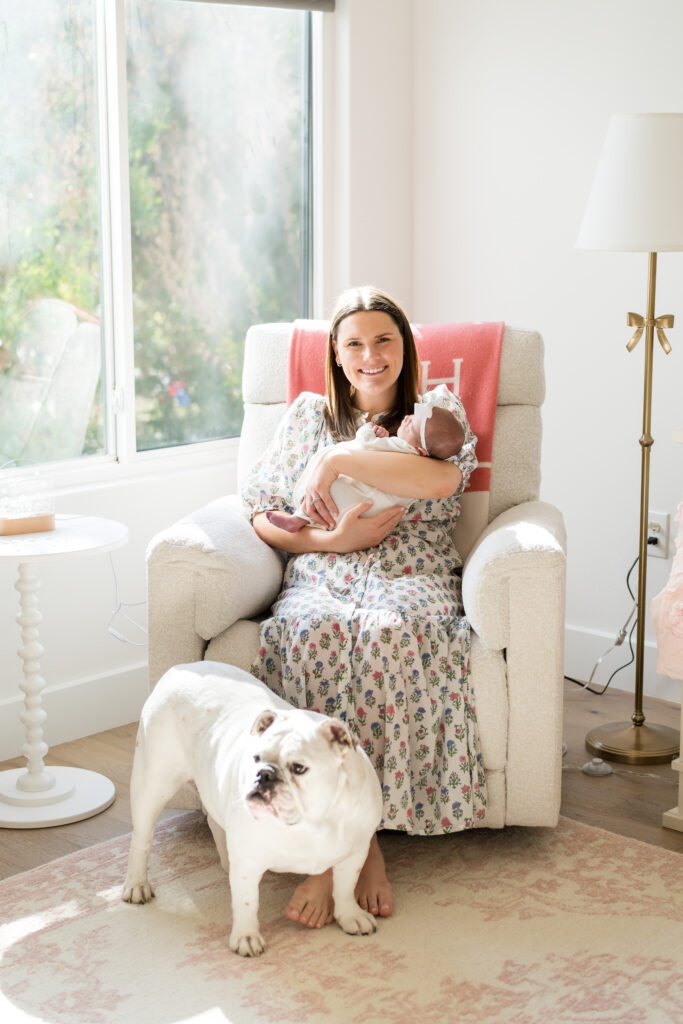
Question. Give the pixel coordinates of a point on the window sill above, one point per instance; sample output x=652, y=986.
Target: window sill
x=95, y=472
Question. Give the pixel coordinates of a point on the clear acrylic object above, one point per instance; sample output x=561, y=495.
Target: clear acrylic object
x=27, y=502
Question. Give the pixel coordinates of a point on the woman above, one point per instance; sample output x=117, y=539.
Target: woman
x=368, y=625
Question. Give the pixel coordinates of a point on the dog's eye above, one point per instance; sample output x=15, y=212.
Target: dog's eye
x=256, y=758
x=298, y=769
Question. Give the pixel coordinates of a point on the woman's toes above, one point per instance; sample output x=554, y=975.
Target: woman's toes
x=292, y=912
x=311, y=903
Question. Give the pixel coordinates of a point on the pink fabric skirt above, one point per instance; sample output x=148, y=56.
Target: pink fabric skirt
x=667, y=613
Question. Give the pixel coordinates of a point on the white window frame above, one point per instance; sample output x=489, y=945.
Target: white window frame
x=122, y=461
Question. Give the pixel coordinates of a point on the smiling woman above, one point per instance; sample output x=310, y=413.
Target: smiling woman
x=368, y=625
x=380, y=330
x=369, y=349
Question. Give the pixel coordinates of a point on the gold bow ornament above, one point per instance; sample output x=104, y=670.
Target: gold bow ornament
x=660, y=322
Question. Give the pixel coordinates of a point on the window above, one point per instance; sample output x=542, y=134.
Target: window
x=215, y=218
x=51, y=385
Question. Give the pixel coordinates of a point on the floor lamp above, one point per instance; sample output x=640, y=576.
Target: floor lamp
x=636, y=205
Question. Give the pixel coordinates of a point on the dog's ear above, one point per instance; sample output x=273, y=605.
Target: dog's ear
x=263, y=721
x=336, y=731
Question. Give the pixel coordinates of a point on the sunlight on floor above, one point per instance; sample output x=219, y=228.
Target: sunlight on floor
x=15, y=931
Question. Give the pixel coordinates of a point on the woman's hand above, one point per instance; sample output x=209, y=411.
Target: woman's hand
x=355, y=534
x=318, y=503
x=351, y=533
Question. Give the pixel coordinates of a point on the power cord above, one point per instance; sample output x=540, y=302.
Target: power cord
x=597, y=766
x=666, y=779
x=621, y=636
x=118, y=606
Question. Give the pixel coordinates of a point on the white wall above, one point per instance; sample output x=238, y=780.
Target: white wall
x=511, y=106
x=367, y=160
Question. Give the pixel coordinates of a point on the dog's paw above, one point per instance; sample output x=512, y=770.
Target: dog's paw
x=137, y=892
x=247, y=945
x=356, y=921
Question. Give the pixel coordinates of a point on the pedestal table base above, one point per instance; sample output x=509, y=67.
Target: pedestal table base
x=39, y=795
x=76, y=794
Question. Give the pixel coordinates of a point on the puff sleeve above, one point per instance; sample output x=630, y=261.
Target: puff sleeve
x=271, y=482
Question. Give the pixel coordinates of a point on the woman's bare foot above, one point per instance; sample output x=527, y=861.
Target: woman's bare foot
x=373, y=890
x=312, y=904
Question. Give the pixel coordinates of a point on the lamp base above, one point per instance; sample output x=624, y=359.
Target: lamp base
x=627, y=743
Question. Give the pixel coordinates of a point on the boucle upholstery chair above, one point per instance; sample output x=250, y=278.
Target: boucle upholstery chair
x=210, y=577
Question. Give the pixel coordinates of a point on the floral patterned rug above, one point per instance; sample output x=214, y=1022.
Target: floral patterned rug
x=523, y=926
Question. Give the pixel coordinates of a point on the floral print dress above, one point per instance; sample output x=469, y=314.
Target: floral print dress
x=378, y=637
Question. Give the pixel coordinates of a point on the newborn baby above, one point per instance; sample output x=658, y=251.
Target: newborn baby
x=430, y=430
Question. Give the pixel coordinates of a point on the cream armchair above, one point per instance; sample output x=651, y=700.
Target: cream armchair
x=210, y=578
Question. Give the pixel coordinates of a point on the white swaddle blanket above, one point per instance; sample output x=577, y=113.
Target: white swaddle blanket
x=347, y=491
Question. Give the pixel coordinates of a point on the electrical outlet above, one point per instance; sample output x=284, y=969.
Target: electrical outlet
x=658, y=530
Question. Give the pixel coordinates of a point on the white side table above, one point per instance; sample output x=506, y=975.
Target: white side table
x=37, y=796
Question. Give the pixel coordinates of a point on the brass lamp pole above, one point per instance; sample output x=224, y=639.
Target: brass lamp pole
x=636, y=205
x=636, y=742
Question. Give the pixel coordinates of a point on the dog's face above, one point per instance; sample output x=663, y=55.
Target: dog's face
x=298, y=765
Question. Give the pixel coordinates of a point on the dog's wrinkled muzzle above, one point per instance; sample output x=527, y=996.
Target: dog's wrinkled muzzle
x=262, y=794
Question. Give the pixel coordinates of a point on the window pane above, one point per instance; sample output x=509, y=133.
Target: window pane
x=216, y=122
x=50, y=339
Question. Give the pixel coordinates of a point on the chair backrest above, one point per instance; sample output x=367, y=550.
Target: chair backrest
x=516, y=458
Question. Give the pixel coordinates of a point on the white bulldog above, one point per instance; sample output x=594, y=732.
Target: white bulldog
x=284, y=789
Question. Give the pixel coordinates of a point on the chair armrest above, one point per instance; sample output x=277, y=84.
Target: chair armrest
x=523, y=545
x=204, y=573
x=514, y=597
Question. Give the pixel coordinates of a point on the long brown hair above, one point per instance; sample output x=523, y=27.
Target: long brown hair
x=341, y=414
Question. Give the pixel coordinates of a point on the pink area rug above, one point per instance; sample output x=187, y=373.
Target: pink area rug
x=524, y=926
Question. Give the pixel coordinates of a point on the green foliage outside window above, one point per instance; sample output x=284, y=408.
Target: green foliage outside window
x=215, y=113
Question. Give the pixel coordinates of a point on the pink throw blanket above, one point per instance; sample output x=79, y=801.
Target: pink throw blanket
x=464, y=356
x=667, y=613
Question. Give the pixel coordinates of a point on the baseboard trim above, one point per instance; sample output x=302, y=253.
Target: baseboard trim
x=79, y=708
x=583, y=647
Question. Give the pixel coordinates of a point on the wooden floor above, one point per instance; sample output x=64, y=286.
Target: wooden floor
x=630, y=801
x=633, y=798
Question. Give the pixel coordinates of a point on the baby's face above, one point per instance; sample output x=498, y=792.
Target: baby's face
x=409, y=430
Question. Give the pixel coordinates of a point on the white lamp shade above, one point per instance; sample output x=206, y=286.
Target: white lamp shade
x=636, y=202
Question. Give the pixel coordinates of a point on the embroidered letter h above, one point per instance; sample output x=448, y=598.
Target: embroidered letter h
x=431, y=382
